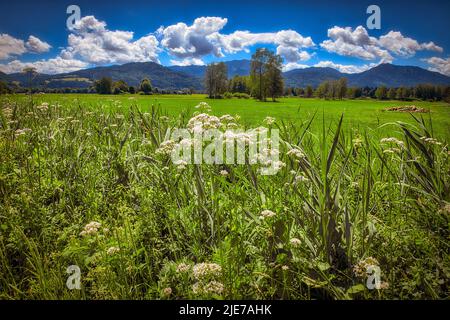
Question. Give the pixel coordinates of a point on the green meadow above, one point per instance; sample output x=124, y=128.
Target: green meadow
x=358, y=114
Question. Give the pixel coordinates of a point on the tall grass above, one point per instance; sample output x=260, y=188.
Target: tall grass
x=351, y=197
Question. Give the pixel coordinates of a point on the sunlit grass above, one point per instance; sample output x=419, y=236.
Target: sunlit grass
x=81, y=184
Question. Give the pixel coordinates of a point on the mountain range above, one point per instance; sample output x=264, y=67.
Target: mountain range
x=180, y=77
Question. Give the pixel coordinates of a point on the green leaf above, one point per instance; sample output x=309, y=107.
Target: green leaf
x=356, y=289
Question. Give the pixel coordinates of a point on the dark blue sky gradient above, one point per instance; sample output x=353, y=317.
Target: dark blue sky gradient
x=421, y=20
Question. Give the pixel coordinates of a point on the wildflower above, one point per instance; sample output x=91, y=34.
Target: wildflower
x=300, y=178
x=186, y=142
x=392, y=150
x=7, y=112
x=445, y=208
x=295, y=242
x=296, y=153
x=384, y=285
x=394, y=141
x=267, y=214
x=112, y=250
x=285, y=268
x=43, y=106
x=166, y=147
x=213, y=287
x=361, y=268
x=260, y=130
x=223, y=172
x=270, y=152
x=226, y=118
x=197, y=288
x=167, y=291
x=183, y=267
x=431, y=141
x=228, y=136
x=204, y=121
x=180, y=164
x=202, y=270
x=242, y=137
x=91, y=228
x=203, y=106
x=277, y=165
x=269, y=120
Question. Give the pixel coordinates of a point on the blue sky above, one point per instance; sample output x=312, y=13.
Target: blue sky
x=305, y=33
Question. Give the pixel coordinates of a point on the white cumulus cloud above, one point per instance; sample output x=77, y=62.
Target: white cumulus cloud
x=439, y=65
x=294, y=65
x=188, y=62
x=358, y=43
x=50, y=66
x=36, y=45
x=204, y=37
x=344, y=68
x=12, y=47
x=395, y=42
x=355, y=43
x=195, y=41
x=92, y=42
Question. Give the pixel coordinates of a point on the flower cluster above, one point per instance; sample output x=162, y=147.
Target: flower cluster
x=206, y=275
x=212, y=287
x=399, y=143
x=183, y=267
x=180, y=164
x=112, y=250
x=297, y=153
x=167, y=291
x=300, y=178
x=392, y=150
x=43, y=106
x=202, y=270
x=360, y=269
x=269, y=121
x=202, y=122
x=267, y=214
x=295, y=242
x=91, y=228
x=431, y=141
x=166, y=147
x=203, y=107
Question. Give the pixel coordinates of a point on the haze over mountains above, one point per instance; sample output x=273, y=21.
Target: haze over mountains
x=191, y=77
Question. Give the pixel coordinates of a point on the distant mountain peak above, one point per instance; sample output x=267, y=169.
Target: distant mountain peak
x=180, y=77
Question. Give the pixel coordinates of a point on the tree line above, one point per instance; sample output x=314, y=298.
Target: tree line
x=265, y=79
x=339, y=89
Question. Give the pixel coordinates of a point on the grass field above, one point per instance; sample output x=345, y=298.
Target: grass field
x=358, y=114
x=87, y=184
